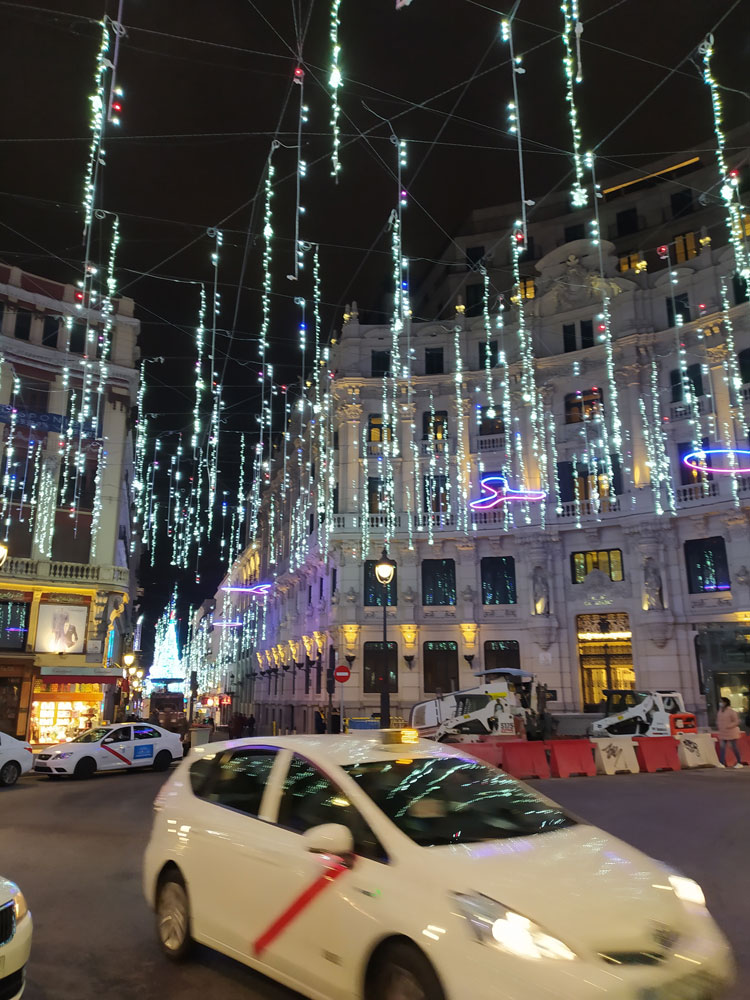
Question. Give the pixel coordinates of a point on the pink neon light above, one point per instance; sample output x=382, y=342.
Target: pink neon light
x=259, y=589
x=701, y=466
x=501, y=492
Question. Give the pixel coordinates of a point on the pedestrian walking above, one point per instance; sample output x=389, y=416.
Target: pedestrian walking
x=250, y=725
x=728, y=724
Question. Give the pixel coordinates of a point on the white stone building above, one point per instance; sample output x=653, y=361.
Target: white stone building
x=633, y=568
x=64, y=605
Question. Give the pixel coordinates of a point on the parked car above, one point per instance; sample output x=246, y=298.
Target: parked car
x=382, y=866
x=107, y=748
x=15, y=940
x=16, y=759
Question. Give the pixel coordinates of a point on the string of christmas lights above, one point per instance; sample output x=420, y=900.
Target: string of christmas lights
x=334, y=82
x=578, y=194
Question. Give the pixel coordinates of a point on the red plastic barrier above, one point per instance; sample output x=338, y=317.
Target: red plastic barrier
x=492, y=753
x=525, y=760
x=657, y=753
x=568, y=757
x=744, y=742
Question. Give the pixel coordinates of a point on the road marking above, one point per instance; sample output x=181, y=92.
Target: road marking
x=116, y=754
x=333, y=870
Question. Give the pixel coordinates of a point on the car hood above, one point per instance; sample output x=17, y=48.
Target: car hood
x=589, y=889
x=68, y=747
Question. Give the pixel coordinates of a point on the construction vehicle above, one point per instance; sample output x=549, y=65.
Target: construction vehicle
x=498, y=708
x=644, y=713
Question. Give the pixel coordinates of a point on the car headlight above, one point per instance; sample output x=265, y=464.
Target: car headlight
x=497, y=925
x=19, y=904
x=687, y=890
x=61, y=756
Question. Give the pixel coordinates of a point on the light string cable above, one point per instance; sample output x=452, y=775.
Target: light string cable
x=104, y=350
x=201, y=381
x=9, y=475
x=571, y=34
x=299, y=252
x=514, y=115
x=334, y=82
x=139, y=462
x=212, y=451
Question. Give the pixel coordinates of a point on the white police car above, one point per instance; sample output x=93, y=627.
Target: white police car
x=107, y=748
x=16, y=759
x=15, y=939
x=363, y=866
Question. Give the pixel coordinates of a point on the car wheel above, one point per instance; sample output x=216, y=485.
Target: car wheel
x=402, y=972
x=10, y=772
x=85, y=768
x=173, y=917
x=163, y=760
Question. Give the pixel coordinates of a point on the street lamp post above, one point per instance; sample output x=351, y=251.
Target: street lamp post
x=384, y=570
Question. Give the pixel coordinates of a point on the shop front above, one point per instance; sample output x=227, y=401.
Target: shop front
x=66, y=704
x=723, y=655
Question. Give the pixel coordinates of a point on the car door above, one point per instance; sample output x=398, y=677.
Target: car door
x=227, y=844
x=116, y=749
x=146, y=744
x=321, y=941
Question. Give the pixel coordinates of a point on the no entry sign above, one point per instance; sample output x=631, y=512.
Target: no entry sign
x=342, y=673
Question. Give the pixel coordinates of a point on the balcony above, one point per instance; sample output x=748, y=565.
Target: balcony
x=589, y=508
x=489, y=442
x=437, y=446
x=76, y=574
x=697, y=492
x=437, y=520
x=687, y=411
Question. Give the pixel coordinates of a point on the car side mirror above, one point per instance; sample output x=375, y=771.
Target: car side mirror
x=330, y=838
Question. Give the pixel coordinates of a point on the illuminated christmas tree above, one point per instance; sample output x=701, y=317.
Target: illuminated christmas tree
x=167, y=667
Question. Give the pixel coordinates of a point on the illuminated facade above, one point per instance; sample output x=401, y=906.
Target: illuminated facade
x=617, y=564
x=67, y=466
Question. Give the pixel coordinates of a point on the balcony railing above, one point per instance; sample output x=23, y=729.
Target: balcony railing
x=437, y=446
x=696, y=492
x=686, y=411
x=587, y=508
x=437, y=519
x=64, y=572
x=490, y=442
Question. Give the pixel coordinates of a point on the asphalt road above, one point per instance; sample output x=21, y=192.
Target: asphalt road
x=76, y=847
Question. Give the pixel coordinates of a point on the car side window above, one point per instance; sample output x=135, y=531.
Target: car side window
x=240, y=780
x=119, y=736
x=145, y=733
x=309, y=799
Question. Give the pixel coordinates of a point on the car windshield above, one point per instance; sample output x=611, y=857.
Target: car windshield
x=91, y=735
x=452, y=800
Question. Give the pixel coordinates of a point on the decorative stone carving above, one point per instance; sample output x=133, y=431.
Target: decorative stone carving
x=598, y=590
x=543, y=633
x=653, y=597
x=352, y=595
x=349, y=412
x=659, y=632
x=468, y=594
x=408, y=596
x=540, y=591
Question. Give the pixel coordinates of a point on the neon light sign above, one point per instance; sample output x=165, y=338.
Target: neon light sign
x=696, y=460
x=258, y=589
x=498, y=492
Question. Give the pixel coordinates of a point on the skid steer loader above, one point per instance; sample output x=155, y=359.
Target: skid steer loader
x=644, y=713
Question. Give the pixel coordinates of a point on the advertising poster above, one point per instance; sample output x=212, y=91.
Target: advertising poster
x=61, y=628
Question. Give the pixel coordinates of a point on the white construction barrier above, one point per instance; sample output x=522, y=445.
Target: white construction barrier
x=696, y=750
x=615, y=755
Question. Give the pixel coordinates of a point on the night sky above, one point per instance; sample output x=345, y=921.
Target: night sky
x=208, y=85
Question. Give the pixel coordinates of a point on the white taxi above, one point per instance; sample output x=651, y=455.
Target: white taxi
x=15, y=940
x=16, y=758
x=386, y=867
x=107, y=748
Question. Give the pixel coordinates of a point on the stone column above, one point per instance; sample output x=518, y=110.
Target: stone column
x=114, y=431
x=349, y=472
x=722, y=404
x=634, y=377
x=44, y=525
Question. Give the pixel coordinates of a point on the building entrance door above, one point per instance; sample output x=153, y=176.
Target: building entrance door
x=605, y=653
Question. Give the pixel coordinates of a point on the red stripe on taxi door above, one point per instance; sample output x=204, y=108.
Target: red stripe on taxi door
x=334, y=869
x=116, y=754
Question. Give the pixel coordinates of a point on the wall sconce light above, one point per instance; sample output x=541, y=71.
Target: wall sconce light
x=409, y=657
x=469, y=657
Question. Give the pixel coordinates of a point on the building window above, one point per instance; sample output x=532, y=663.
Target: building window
x=490, y=425
x=474, y=299
x=694, y=377
x=34, y=394
x=375, y=495
x=681, y=202
x=569, y=338
x=435, y=499
x=526, y=288
x=474, y=257
x=374, y=589
x=14, y=624
x=494, y=356
x=578, y=483
x=586, y=405
x=739, y=288
x=707, y=567
x=373, y=661
x=440, y=661
x=627, y=222
x=50, y=330
x=438, y=582
x=23, y=324
x=587, y=333
x=380, y=363
x=679, y=306
x=632, y=262
x=435, y=425
x=685, y=247
x=743, y=360
x=433, y=361
x=375, y=430
x=78, y=337
x=498, y=580
x=575, y=232
x=689, y=476
x=502, y=654
x=335, y=499
x=608, y=561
